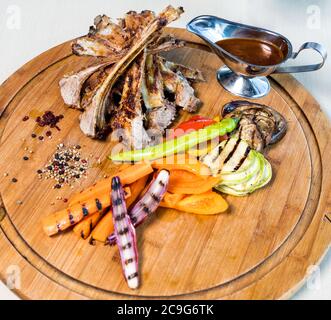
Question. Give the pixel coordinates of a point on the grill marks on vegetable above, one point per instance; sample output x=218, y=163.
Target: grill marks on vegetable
x=232, y=152
x=98, y=204
x=220, y=149
x=71, y=219
x=151, y=200
x=259, y=125
x=120, y=217
x=242, y=160
x=85, y=211
x=148, y=204
x=125, y=235
x=228, y=156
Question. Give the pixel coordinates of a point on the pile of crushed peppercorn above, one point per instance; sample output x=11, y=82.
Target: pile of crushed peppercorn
x=66, y=166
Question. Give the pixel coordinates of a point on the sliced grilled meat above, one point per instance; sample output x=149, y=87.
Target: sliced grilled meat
x=260, y=125
x=93, y=119
x=104, y=28
x=152, y=86
x=185, y=96
x=127, y=121
x=104, y=39
x=134, y=22
x=164, y=44
x=96, y=47
x=160, y=119
x=177, y=84
x=71, y=85
x=189, y=73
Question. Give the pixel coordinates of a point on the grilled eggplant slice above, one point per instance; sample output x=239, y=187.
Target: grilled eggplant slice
x=260, y=125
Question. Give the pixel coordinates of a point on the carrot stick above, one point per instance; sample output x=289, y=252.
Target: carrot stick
x=62, y=220
x=136, y=189
x=127, y=175
x=84, y=228
x=103, y=229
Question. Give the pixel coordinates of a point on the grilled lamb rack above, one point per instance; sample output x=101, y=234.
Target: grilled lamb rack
x=127, y=89
x=93, y=119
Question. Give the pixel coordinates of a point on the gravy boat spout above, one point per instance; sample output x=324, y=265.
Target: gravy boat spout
x=239, y=76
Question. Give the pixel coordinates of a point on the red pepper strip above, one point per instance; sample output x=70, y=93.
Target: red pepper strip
x=195, y=123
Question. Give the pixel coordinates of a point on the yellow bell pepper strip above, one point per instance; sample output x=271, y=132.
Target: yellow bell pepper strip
x=209, y=203
x=177, y=145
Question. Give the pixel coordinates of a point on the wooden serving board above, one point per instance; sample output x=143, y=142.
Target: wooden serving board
x=261, y=249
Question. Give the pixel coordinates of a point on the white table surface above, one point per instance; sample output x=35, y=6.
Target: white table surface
x=29, y=27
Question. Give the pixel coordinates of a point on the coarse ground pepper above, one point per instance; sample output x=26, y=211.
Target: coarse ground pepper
x=66, y=166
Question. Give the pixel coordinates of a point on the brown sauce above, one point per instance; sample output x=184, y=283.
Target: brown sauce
x=253, y=51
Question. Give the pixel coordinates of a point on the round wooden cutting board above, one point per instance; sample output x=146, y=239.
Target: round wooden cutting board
x=261, y=249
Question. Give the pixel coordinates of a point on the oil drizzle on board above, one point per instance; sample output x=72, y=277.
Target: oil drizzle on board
x=253, y=51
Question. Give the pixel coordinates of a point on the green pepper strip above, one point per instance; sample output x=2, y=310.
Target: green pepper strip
x=178, y=145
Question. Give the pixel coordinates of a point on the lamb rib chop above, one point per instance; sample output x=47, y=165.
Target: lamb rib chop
x=152, y=86
x=191, y=74
x=177, y=84
x=108, y=39
x=134, y=22
x=93, y=120
x=165, y=43
x=104, y=39
x=71, y=85
x=127, y=120
x=160, y=111
x=160, y=119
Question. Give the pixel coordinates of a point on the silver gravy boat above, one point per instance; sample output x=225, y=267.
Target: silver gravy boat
x=242, y=78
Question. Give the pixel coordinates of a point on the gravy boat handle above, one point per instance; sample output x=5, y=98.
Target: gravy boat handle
x=306, y=68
